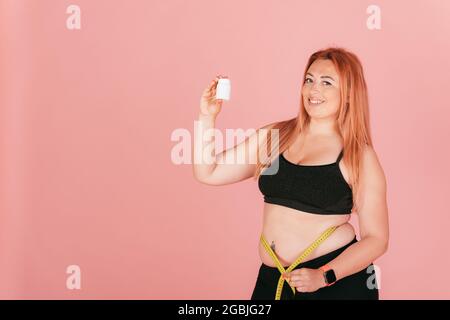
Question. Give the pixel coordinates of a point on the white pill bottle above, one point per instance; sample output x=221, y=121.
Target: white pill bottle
x=223, y=89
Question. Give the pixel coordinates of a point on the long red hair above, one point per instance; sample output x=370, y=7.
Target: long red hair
x=353, y=116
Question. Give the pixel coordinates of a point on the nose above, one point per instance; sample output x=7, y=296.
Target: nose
x=314, y=90
x=315, y=86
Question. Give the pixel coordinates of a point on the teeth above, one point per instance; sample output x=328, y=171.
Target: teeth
x=316, y=101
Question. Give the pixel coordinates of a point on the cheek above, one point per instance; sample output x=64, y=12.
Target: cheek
x=333, y=96
x=305, y=92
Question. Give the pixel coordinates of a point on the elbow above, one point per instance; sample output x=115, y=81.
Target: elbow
x=380, y=244
x=199, y=178
x=385, y=245
x=385, y=241
x=209, y=182
x=204, y=180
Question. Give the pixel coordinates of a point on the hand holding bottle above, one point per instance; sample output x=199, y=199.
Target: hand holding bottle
x=209, y=105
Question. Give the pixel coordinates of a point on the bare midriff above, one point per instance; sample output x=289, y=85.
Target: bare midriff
x=292, y=231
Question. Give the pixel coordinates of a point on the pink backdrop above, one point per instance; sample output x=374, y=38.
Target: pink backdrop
x=87, y=116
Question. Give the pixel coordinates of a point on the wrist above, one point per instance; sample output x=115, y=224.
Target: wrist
x=202, y=116
x=329, y=276
x=323, y=283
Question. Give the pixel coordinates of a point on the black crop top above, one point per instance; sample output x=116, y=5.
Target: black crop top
x=319, y=189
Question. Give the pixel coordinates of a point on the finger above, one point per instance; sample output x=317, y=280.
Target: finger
x=303, y=277
x=297, y=276
x=302, y=271
x=293, y=278
x=297, y=271
x=294, y=281
x=208, y=89
x=300, y=280
x=211, y=89
x=213, y=81
x=301, y=288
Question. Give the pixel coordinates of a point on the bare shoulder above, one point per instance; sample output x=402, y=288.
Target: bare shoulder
x=263, y=132
x=268, y=126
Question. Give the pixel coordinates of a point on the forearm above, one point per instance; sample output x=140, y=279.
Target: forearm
x=204, y=144
x=358, y=256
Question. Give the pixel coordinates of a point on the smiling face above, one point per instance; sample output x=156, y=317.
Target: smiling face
x=320, y=91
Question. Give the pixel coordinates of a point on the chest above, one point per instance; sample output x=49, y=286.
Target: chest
x=317, y=152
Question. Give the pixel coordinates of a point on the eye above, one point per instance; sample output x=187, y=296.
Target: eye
x=329, y=84
x=306, y=80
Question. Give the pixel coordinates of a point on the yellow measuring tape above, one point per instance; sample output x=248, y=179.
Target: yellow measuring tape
x=305, y=253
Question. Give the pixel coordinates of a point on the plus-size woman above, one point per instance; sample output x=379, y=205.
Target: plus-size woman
x=320, y=167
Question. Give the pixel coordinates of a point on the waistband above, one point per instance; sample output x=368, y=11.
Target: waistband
x=318, y=261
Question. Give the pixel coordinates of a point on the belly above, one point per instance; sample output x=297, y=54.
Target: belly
x=292, y=231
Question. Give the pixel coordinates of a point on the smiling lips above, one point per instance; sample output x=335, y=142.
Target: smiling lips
x=315, y=101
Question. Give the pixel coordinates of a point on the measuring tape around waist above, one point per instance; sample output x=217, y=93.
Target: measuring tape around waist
x=305, y=253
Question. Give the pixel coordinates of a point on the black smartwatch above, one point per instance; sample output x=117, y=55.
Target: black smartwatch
x=328, y=275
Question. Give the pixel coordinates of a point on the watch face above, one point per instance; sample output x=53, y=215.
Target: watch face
x=330, y=276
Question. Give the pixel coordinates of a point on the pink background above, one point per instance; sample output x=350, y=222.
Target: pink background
x=87, y=116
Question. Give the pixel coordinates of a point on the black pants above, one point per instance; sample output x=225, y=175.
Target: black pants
x=360, y=285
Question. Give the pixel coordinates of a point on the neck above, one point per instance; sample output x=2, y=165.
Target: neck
x=322, y=127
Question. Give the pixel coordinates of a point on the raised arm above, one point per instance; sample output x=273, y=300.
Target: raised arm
x=224, y=167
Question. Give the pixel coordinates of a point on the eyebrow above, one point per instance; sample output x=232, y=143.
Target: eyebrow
x=321, y=76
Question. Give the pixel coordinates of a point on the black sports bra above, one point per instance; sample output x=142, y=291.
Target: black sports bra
x=319, y=189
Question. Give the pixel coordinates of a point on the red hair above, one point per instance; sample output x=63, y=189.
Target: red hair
x=352, y=120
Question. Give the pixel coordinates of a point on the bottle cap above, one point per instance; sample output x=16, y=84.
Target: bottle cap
x=224, y=80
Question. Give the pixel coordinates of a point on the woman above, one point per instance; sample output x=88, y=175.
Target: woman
x=325, y=170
